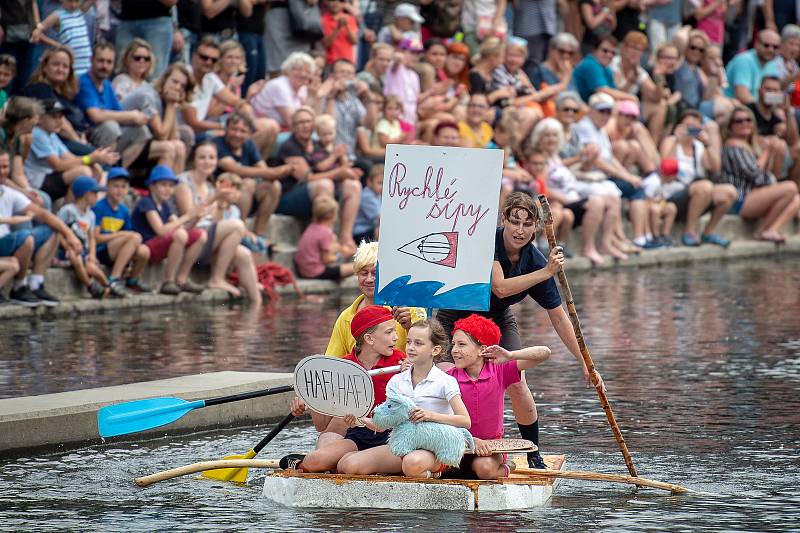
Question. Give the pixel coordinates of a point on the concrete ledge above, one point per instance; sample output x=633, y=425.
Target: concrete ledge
x=71, y=417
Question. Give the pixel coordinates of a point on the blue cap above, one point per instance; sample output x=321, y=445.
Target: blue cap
x=118, y=172
x=161, y=173
x=84, y=184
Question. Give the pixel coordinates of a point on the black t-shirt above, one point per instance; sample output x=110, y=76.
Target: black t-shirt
x=222, y=22
x=143, y=9
x=627, y=20
x=291, y=147
x=477, y=83
x=43, y=91
x=766, y=126
x=249, y=157
x=190, y=15
x=255, y=22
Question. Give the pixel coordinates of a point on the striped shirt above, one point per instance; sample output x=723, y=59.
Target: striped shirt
x=535, y=17
x=740, y=169
x=72, y=32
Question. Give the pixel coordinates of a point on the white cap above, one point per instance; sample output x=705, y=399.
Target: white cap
x=408, y=11
x=601, y=101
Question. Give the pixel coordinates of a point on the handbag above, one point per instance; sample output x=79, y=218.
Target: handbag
x=305, y=20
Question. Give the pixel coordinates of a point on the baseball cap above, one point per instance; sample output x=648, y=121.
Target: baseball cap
x=601, y=101
x=411, y=44
x=627, y=107
x=52, y=105
x=409, y=11
x=118, y=172
x=84, y=184
x=161, y=173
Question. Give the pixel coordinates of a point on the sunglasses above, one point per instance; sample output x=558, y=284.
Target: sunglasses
x=743, y=120
x=770, y=46
x=570, y=109
x=696, y=48
x=141, y=58
x=207, y=58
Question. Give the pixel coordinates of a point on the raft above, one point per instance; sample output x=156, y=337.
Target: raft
x=519, y=491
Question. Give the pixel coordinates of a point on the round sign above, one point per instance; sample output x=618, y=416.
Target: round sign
x=334, y=386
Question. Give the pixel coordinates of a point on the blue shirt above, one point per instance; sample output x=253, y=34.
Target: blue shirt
x=139, y=216
x=746, y=69
x=43, y=146
x=111, y=220
x=530, y=260
x=589, y=75
x=369, y=211
x=89, y=96
x=249, y=157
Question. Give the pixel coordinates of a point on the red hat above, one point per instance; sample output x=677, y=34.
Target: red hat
x=371, y=315
x=669, y=167
x=482, y=329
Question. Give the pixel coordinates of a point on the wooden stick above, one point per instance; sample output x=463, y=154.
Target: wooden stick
x=587, y=357
x=205, y=465
x=611, y=478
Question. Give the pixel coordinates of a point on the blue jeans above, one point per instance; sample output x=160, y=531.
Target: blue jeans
x=156, y=31
x=256, y=57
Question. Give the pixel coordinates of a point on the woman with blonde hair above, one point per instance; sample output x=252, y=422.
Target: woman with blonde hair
x=231, y=69
x=745, y=166
x=135, y=68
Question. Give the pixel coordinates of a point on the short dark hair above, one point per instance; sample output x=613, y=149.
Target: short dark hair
x=770, y=78
x=208, y=41
x=610, y=39
x=238, y=116
x=103, y=45
x=340, y=61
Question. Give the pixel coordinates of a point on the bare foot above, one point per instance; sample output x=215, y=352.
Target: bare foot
x=348, y=248
x=613, y=252
x=225, y=286
x=596, y=259
x=771, y=236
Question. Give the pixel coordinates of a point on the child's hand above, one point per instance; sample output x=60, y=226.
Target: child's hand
x=73, y=243
x=351, y=421
x=496, y=353
x=405, y=364
x=418, y=415
x=297, y=407
x=36, y=35
x=482, y=448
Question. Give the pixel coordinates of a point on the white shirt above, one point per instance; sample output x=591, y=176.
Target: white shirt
x=276, y=93
x=690, y=166
x=432, y=393
x=210, y=86
x=12, y=202
x=588, y=133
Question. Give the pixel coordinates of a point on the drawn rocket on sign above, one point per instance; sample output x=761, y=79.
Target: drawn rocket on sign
x=437, y=248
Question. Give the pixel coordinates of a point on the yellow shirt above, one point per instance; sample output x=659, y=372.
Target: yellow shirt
x=479, y=139
x=342, y=341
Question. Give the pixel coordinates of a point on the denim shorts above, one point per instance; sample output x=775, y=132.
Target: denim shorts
x=629, y=192
x=14, y=240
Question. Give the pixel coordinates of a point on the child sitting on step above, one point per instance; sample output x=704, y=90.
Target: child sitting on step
x=436, y=395
x=317, y=255
x=483, y=371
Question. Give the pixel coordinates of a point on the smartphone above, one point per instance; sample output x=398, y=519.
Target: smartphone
x=694, y=131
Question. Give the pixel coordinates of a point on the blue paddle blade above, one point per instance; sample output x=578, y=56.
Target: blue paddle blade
x=140, y=415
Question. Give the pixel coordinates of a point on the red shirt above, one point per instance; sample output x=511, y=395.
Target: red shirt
x=379, y=382
x=341, y=47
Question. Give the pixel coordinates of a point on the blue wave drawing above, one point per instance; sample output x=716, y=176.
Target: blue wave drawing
x=472, y=297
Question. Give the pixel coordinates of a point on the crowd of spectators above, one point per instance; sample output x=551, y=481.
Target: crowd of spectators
x=142, y=131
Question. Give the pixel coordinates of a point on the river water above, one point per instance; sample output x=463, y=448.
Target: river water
x=702, y=365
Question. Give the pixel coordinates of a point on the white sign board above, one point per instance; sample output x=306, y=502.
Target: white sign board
x=438, y=221
x=333, y=386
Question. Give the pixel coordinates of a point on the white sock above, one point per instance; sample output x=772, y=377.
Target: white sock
x=641, y=240
x=35, y=281
x=648, y=236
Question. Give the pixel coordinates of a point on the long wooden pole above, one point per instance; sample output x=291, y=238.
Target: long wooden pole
x=205, y=465
x=611, y=478
x=587, y=357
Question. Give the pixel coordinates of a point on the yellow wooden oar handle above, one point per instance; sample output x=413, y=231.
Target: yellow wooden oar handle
x=205, y=465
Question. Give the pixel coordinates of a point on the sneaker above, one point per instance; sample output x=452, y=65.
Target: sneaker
x=535, y=460
x=716, y=239
x=45, y=297
x=291, y=461
x=96, y=290
x=192, y=287
x=652, y=244
x=667, y=241
x=116, y=289
x=171, y=288
x=24, y=297
x=137, y=285
x=689, y=240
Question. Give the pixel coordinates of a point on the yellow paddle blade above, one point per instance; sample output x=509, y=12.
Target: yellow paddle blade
x=237, y=475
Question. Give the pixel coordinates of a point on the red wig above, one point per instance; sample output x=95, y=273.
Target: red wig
x=481, y=329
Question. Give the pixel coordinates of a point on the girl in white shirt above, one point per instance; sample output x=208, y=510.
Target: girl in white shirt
x=436, y=395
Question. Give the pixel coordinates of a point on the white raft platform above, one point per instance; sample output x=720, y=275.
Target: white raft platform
x=297, y=489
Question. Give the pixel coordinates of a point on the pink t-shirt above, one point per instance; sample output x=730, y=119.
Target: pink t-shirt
x=484, y=397
x=277, y=93
x=308, y=258
x=714, y=24
x=403, y=83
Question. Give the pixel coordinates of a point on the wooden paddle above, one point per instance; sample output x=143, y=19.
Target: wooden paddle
x=587, y=357
x=205, y=465
x=611, y=478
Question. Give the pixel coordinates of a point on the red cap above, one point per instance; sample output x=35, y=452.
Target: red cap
x=371, y=315
x=669, y=167
x=482, y=329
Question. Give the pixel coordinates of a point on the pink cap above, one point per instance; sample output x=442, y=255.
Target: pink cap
x=627, y=107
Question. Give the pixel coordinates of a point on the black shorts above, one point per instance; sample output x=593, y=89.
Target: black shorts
x=366, y=439
x=578, y=209
x=330, y=272
x=54, y=186
x=103, y=256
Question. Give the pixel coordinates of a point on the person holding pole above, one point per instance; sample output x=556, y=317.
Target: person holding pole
x=521, y=270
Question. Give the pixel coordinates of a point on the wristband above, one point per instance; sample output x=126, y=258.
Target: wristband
x=86, y=160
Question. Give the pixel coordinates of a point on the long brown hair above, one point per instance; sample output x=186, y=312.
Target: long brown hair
x=726, y=132
x=188, y=93
x=68, y=88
